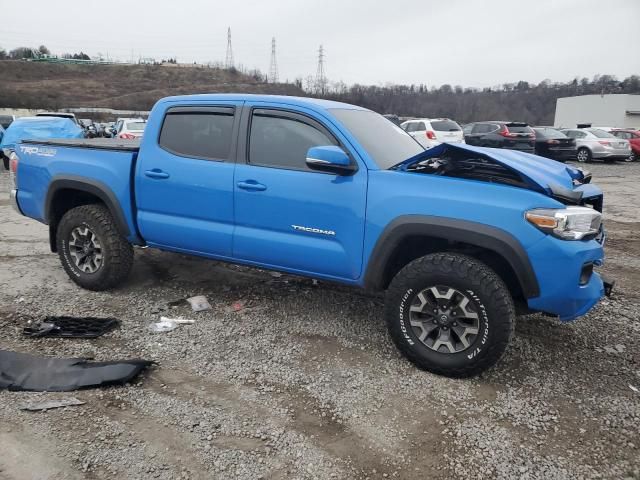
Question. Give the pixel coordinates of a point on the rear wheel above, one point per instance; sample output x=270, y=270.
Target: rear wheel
x=92, y=251
x=450, y=314
x=631, y=158
x=583, y=155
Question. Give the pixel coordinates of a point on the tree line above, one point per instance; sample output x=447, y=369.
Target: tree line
x=520, y=101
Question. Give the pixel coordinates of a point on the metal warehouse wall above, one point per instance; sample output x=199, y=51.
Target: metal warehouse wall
x=598, y=110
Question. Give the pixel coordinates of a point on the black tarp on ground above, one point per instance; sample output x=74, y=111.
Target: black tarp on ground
x=20, y=371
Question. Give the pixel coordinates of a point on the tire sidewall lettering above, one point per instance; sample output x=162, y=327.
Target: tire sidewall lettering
x=484, y=324
x=474, y=351
x=401, y=316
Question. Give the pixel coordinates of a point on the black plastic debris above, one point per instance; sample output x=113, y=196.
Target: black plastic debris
x=71, y=327
x=20, y=371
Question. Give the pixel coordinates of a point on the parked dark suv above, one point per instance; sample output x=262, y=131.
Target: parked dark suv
x=513, y=135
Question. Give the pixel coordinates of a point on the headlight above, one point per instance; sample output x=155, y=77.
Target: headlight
x=571, y=223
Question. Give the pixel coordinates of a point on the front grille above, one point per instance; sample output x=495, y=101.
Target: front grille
x=593, y=202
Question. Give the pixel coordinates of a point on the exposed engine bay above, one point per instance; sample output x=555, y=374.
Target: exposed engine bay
x=463, y=165
x=460, y=162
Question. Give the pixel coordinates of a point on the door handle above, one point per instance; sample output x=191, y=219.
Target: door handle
x=156, y=173
x=251, y=185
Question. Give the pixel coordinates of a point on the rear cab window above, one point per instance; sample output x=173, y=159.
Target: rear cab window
x=519, y=128
x=445, y=126
x=198, y=132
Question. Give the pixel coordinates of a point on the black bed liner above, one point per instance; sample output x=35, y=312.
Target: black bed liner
x=94, y=143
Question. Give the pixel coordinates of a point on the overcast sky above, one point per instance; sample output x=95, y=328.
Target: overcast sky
x=470, y=43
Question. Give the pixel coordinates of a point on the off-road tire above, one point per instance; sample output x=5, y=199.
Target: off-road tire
x=491, y=298
x=117, y=253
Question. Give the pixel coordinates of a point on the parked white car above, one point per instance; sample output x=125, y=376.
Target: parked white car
x=430, y=132
x=130, y=128
x=594, y=143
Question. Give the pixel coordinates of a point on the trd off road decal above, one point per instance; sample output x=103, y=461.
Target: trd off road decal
x=42, y=151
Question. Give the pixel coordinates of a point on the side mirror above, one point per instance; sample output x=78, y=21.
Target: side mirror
x=329, y=158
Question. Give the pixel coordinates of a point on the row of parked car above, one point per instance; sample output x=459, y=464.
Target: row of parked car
x=48, y=125
x=581, y=144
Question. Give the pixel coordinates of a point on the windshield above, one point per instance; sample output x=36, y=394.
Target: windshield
x=135, y=126
x=600, y=133
x=385, y=142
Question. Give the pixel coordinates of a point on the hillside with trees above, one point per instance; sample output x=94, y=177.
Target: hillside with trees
x=50, y=85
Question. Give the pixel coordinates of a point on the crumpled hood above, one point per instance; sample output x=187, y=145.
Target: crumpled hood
x=542, y=174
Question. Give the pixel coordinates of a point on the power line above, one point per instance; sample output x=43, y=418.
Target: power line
x=273, y=67
x=228, y=63
x=321, y=79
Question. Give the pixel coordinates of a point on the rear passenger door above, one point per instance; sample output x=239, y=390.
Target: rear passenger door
x=288, y=216
x=184, y=179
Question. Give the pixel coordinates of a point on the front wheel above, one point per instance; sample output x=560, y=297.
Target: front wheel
x=92, y=251
x=631, y=158
x=450, y=314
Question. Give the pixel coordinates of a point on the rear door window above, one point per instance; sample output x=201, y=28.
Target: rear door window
x=421, y=127
x=198, y=132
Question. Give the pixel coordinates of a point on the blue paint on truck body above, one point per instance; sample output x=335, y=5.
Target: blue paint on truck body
x=318, y=224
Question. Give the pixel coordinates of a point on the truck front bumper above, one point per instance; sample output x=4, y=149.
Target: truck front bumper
x=569, y=286
x=13, y=198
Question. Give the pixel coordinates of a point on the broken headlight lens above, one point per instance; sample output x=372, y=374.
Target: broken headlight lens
x=571, y=223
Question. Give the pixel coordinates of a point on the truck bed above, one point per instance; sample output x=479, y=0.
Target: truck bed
x=93, y=143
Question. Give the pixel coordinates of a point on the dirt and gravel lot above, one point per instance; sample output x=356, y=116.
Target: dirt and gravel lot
x=303, y=381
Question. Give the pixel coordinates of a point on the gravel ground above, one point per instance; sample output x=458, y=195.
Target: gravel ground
x=302, y=381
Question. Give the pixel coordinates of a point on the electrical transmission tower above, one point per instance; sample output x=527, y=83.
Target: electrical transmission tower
x=321, y=79
x=273, y=67
x=228, y=63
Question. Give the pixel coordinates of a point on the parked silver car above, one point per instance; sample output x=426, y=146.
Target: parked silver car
x=594, y=143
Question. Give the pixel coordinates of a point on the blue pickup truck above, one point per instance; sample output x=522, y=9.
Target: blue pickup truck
x=459, y=237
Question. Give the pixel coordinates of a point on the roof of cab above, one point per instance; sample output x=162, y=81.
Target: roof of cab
x=283, y=99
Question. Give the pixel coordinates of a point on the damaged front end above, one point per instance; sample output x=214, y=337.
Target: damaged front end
x=568, y=185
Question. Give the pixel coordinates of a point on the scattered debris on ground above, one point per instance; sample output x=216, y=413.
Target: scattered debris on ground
x=168, y=324
x=305, y=384
x=199, y=303
x=70, y=327
x=38, y=405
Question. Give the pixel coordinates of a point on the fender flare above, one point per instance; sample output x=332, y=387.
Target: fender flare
x=473, y=233
x=88, y=185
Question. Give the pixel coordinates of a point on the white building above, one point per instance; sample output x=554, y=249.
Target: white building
x=619, y=110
